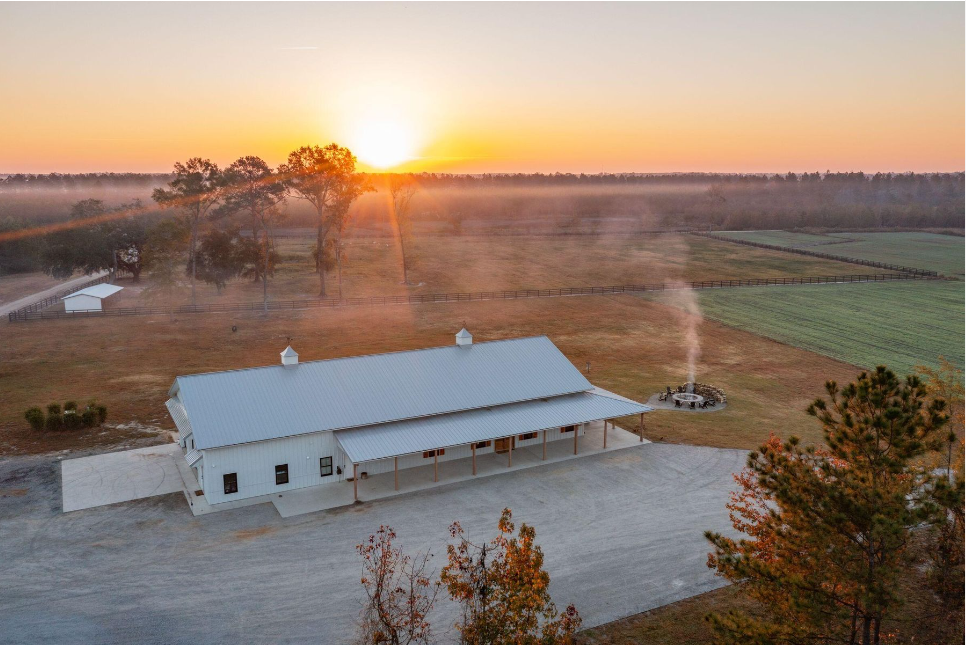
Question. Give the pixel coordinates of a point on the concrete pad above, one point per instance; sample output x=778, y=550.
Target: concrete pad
x=120, y=477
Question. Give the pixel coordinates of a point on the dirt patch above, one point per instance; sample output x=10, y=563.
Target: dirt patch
x=13, y=492
x=251, y=534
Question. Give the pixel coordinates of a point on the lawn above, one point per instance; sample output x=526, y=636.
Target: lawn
x=635, y=347
x=475, y=263
x=900, y=324
x=943, y=253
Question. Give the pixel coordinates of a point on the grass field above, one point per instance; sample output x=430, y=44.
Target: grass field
x=635, y=347
x=448, y=264
x=898, y=324
x=943, y=253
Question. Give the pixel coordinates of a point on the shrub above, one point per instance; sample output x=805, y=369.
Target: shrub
x=35, y=417
x=70, y=406
x=89, y=418
x=55, y=420
x=101, y=414
x=53, y=408
x=72, y=420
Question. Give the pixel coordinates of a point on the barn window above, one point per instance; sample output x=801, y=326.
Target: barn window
x=567, y=429
x=528, y=435
x=483, y=444
x=325, y=466
x=281, y=474
x=433, y=453
x=231, y=483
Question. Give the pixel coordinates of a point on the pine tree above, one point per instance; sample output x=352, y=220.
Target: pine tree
x=829, y=541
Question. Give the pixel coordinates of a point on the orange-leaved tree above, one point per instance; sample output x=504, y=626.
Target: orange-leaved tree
x=504, y=590
x=400, y=592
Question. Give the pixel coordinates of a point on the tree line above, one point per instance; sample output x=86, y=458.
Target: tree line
x=223, y=225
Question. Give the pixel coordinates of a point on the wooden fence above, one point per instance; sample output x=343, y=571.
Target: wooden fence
x=816, y=254
x=278, y=305
x=57, y=297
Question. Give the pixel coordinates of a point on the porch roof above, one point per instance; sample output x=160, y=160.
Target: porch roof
x=484, y=424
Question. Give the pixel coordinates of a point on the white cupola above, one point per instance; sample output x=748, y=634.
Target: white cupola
x=464, y=337
x=290, y=357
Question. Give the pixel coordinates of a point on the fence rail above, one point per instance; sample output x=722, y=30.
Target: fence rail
x=279, y=305
x=57, y=297
x=817, y=254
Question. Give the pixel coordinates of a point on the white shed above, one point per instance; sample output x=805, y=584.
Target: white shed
x=90, y=298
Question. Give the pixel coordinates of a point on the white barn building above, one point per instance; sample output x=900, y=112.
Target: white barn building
x=257, y=431
x=90, y=298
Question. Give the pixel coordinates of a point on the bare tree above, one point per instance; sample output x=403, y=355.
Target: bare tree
x=402, y=188
x=399, y=592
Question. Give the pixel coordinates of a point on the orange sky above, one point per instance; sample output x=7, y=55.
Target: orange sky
x=486, y=87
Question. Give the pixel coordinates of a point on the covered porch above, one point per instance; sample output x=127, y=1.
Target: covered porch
x=434, y=474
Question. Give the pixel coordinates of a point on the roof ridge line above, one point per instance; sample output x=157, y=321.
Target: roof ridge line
x=342, y=358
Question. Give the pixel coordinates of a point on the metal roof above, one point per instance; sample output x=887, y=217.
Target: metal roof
x=98, y=291
x=242, y=406
x=180, y=417
x=460, y=428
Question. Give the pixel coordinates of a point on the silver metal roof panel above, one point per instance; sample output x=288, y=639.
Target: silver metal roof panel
x=102, y=291
x=460, y=428
x=242, y=406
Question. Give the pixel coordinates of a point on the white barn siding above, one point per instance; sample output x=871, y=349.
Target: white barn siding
x=254, y=463
x=82, y=303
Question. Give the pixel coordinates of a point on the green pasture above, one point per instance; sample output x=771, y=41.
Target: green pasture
x=899, y=324
x=943, y=253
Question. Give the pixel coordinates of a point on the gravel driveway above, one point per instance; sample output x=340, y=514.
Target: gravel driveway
x=622, y=533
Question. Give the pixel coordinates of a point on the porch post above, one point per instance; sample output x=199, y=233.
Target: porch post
x=436, y=465
x=510, y=454
x=355, y=481
x=642, y=426
x=605, y=434
x=545, y=445
x=473, y=447
x=576, y=434
x=395, y=471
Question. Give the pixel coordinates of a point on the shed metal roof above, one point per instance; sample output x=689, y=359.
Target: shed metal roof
x=460, y=428
x=242, y=406
x=98, y=291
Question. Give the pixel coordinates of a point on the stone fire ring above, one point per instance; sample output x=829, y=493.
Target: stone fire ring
x=687, y=398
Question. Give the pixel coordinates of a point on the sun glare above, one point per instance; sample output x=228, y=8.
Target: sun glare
x=383, y=143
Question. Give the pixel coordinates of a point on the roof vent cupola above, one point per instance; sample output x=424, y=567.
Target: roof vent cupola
x=464, y=338
x=290, y=357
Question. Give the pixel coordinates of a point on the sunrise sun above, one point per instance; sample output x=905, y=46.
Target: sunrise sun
x=383, y=143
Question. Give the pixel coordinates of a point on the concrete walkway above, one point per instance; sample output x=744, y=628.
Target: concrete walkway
x=6, y=308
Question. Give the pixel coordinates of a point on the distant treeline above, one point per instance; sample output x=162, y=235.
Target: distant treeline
x=428, y=179
x=449, y=204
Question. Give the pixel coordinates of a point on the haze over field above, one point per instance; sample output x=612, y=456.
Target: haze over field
x=471, y=88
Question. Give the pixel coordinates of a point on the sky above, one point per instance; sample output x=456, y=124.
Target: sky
x=475, y=87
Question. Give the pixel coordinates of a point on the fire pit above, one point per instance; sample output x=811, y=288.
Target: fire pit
x=690, y=396
x=687, y=398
